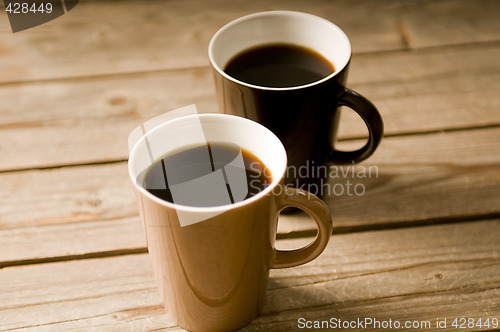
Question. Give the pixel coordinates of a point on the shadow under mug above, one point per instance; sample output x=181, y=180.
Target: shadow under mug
x=213, y=273
x=305, y=118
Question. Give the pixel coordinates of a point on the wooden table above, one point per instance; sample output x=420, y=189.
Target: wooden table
x=420, y=244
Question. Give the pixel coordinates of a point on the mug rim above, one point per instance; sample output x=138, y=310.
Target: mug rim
x=276, y=12
x=276, y=180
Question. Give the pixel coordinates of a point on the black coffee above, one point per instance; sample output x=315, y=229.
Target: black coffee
x=181, y=177
x=279, y=66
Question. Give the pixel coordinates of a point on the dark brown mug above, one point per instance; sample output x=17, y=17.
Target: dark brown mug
x=304, y=117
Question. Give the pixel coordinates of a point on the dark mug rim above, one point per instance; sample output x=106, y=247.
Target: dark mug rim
x=327, y=23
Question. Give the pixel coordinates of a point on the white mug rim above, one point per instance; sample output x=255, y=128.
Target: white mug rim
x=276, y=12
x=276, y=178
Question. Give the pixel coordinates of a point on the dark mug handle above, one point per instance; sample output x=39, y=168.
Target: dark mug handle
x=370, y=115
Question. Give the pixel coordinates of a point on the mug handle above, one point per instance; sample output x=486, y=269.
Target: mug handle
x=371, y=116
x=315, y=207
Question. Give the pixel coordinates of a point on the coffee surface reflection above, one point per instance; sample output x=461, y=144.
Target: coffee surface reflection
x=207, y=175
x=279, y=66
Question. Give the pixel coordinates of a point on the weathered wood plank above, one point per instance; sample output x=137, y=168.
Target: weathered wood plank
x=132, y=37
x=66, y=195
x=435, y=178
x=437, y=23
x=88, y=120
x=49, y=243
x=428, y=90
x=445, y=271
x=413, y=180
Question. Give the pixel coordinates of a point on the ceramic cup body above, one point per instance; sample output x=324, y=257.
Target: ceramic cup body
x=306, y=117
x=213, y=274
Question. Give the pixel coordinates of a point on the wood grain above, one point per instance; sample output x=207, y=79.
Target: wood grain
x=454, y=267
x=57, y=123
x=111, y=39
x=449, y=22
x=445, y=176
x=138, y=37
x=427, y=90
x=415, y=179
x=420, y=243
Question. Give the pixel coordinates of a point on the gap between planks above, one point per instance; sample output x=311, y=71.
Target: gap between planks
x=414, y=92
x=132, y=74
x=101, y=212
x=184, y=33
x=300, y=234
x=450, y=270
x=347, y=139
